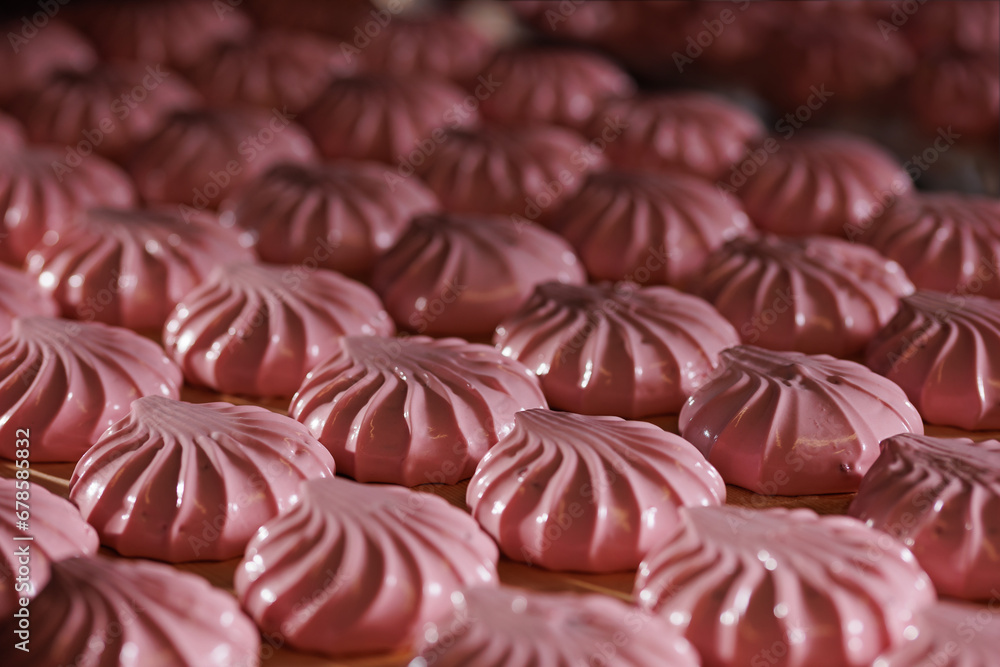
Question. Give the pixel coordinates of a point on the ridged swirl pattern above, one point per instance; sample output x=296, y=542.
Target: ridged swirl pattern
x=22, y=296
x=960, y=91
x=130, y=267
x=111, y=108
x=698, y=133
x=442, y=45
x=358, y=568
x=413, y=410
x=105, y=612
x=652, y=228
x=948, y=634
x=587, y=494
x=944, y=351
x=817, y=295
x=557, y=86
x=34, y=198
x=57, y=47
x=56, y=529
x=274, y=68
x=342, y=216
x=173, y=32
x=257, y=329
x=821, y=183
x=941, y=497
x=616, y=349
x=520, y=173
x=518, y=628
x=200, y=157
x=69, y=381
x=946, y=242
x=180, y=482
x=786, y=423
x=461, y=275
x=827, y=590
x=385, y=118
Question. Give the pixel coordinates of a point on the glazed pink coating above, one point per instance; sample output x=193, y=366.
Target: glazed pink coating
x=36, y=197
x=12, y=133
x=413, y=410
x=172, y=32
x=817, y=294
x=29, y=62
x=274, y=68
x=948, y=634
x=558, y=86
x=523, y=173
x=940, y=497
x=109, y=109
x=441, y=45
x=56, y=529
x=355, y=568
x=819, y=183
x=832, y=61
x=129, y=267
x=693, y=132
x=588, y=494
x=199, y=157
x=616, y=349
x=179, y=482
x=790, y=424
x=257, y=329
x=21, y=296
x=510, y=627
x=457, y=275
x=342, y=215
x=69, y=381
x=386, y=118
x=105, y=612
x=944, y=351
x=828, y=590
x=959, y=91
x=650, y=227
x=947, y=242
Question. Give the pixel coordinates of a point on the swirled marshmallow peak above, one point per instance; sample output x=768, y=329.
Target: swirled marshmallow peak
x=650, y=227
x=385, y=118
x=616, y=349
x=257, y=329
x=817, y=294
x=948, y=634
x=829, y=590
x=178, y=482
x=460, y=275
x=355, y=568
x=40, y=192
x=200, y=157
x=130, y=267
x=787, y=423
x=22, y=296
x=944, y=351
x=821, y=183
x=558, y=86
x=438, y=45
x=55, y=47
x=55, y=528
x=105, y=612
x=413, y=410
x=946, y=242
x=940, y=497
x=584, y=493
x=694, y=132
x=508, y=627
x=522, y=173
x=342, y=216
x=70, y=381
